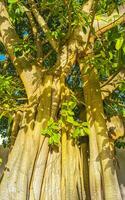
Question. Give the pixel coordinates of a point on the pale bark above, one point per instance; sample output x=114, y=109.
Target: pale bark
x=33, y=170
x=18, y=179
x=96, y=118
x=95, y=171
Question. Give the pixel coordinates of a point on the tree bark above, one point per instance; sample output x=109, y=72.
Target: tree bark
x=33, y=170
x=98, y=133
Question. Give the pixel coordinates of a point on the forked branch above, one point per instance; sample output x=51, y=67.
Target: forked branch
x=43, y=24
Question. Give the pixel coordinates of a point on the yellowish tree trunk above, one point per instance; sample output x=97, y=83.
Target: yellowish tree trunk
x=35, y=171
x=106, y=186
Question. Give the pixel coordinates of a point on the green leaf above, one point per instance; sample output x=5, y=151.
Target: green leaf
x=119, y=43
x=54, y=126
x=64, y=112
x=86, y=130
x=49, y=132
x=76, y=133
x=56, y=138
x=85, y=124
x=111, y=55
x=114, y=65
x=45, y=132
x=82, y=132
x=50, y=122
x=70, y=112
x=70, y=119
x=72, y=104
x=50, y=141
x=103, y=54
x=12, y=1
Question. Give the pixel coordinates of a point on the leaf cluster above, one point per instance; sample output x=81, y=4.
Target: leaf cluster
x=108, y=6
x=109, y=52
x=62, y=17
x=26, y=47
x=53, y=132
x=67, y=119
x=78, y=128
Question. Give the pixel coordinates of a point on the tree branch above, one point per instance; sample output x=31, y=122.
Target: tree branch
x=87, y=6
x=67, y=57
x=34, y=31
x=105, y=23
x=28, y=73
x=112, y=83
x=93, y=8
x=8, y=34
x=43, y=24
x=82, y=38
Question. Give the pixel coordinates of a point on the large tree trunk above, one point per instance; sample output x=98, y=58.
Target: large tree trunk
x=35, y=171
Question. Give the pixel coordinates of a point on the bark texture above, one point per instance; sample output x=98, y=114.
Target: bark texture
x=100, y=153
x=34, y=171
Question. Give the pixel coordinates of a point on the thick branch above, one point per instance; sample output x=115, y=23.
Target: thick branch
x=93, y=10
x=7, y=32
x=112, y=83
x=35, y=32
x=116, y=22
x=43, y=24
x=82, y=38
x=10, y=38
x=28, y=74
x=105, y=23
x=67, y=57
x=31, y=20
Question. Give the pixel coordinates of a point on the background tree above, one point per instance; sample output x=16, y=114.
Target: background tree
x=61, y=81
